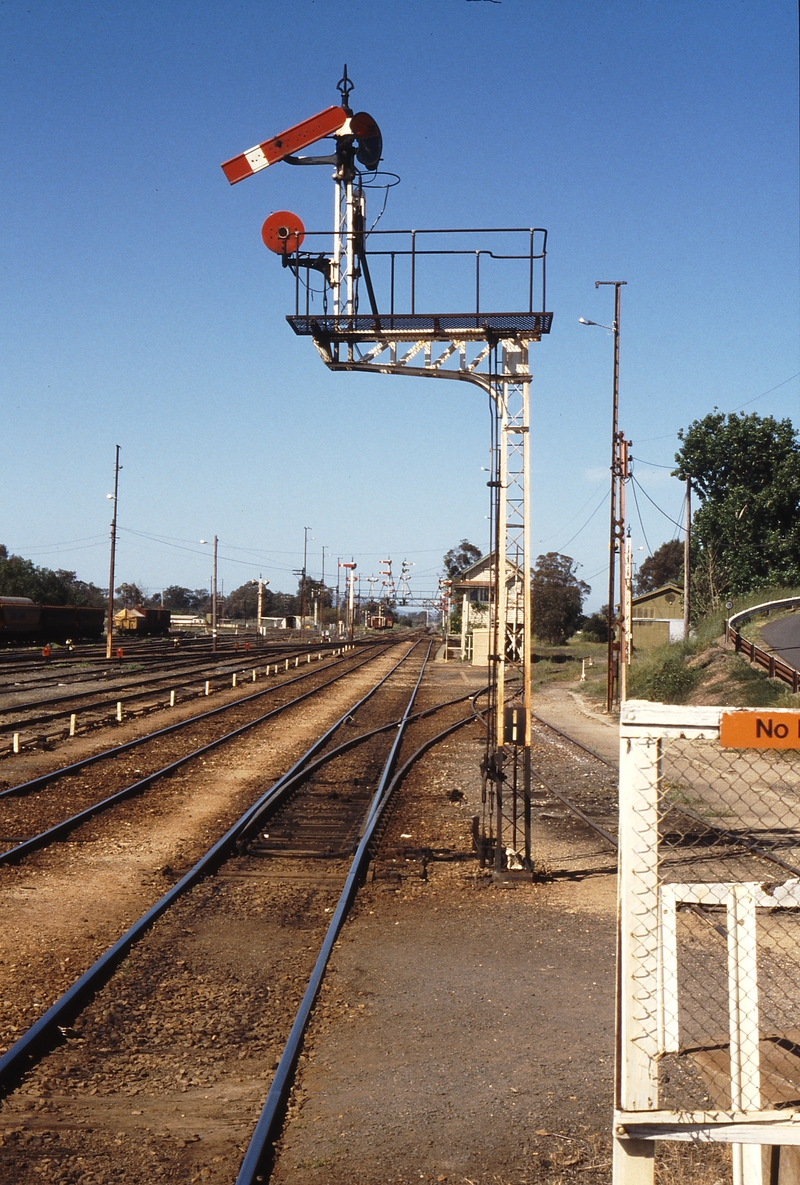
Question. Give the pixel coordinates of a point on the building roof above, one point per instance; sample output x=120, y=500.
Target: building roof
x=657, y=592
x=479, y=574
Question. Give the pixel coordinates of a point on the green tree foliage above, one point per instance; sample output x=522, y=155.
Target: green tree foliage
x=130, y=595
x=459, y=558
x=242, y=603
x=314, y=592
x=184, y=600
x=664, y=566
x=595, y=627
x=558, y=598
x=746, y=532
x=22, y=578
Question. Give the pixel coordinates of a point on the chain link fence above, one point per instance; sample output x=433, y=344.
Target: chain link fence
x=709, y=999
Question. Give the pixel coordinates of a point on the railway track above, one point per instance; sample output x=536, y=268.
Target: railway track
x=87, y=655
x=192, y=1011
x=747, y=852
x=46, y=809
x=74, y=669
x=124, y=692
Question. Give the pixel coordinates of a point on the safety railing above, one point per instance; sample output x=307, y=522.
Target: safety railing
x=776, y=667
x=480, y=272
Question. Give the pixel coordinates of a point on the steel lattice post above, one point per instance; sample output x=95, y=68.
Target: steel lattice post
x=508, y=765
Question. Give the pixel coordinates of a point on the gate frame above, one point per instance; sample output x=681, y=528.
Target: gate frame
x=638, y=1121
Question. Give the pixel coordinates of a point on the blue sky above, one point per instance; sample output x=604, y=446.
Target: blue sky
x=656, y=141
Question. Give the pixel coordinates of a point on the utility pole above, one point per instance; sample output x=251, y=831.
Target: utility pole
x=625, y=612
x=350, y=585
x=338, y=595
x=322, y=592
x=303, y=579
x=625, y=576
x=617, y=529
x=112, y=562
x=214, y=599
x=686, y=569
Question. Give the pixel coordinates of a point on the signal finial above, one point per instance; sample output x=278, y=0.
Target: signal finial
x=344, y=86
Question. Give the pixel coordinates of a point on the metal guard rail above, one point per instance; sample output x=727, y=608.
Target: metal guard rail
x=775, y=667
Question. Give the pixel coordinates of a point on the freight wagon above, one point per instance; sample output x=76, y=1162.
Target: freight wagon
x=143, y=621
x=380, y=621
x=22, y=620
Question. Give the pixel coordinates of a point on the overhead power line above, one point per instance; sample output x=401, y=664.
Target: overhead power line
x=602, y=502
x=668, y=517
x=641, y=524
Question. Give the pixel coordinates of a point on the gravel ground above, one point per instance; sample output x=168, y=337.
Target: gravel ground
x=464, y=1032
x=62, y=907
x=22, y=816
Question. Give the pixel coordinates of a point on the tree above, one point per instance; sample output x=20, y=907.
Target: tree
x=459, y=558
x=183, y=600
x=595, y=627
x=22, y=578
x=130, y=595
x=558, y=598
x=664, y=566
x=746, y=532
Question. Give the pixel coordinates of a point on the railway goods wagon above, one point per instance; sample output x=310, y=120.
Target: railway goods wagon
x=143, y=621
x=22, y=620
x=380, y=621
x=19, y=617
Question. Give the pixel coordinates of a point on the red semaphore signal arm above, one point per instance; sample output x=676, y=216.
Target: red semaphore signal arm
x=271, y=151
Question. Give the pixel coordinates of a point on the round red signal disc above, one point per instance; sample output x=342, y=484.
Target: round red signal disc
x=283, y=232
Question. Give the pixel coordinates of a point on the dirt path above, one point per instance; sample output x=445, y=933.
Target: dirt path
x=565, y=707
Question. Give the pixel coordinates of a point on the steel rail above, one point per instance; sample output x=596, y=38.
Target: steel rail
x=183, y=661
x=45, y=838
x=252, y=1169
x=309, y=770
x=147, y=688
x=574, y=808
x=751, y=847
x=40, y=1037
x=64, y=770
x=579, y=744
x=281, y=1082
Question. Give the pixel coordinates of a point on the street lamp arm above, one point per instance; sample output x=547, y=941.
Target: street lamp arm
x=610, y=328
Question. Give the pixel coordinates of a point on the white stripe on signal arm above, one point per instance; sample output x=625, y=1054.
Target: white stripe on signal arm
x=255, y=158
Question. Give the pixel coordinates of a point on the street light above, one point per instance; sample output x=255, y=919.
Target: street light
x=583, y=321
x=213, y=596
x=619, y=465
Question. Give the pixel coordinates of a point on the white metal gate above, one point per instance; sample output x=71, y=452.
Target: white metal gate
x=708, y=1025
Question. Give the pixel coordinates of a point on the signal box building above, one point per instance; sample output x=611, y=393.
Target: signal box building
x=657, y=617
x=473, y=585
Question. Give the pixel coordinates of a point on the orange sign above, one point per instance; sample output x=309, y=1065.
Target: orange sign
x=760, y=730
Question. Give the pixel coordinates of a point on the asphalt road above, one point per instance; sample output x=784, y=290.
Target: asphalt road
x=783, y=636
